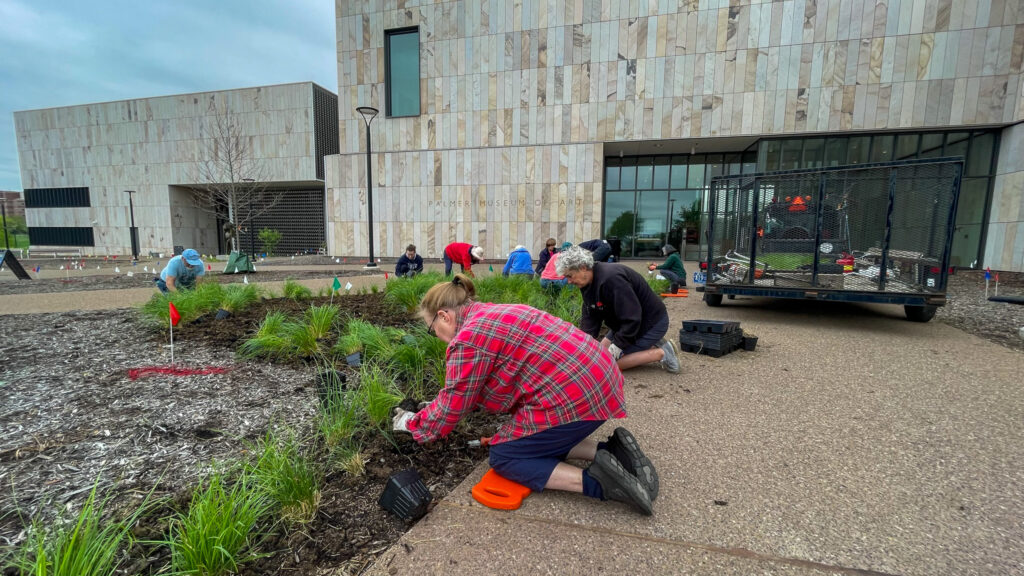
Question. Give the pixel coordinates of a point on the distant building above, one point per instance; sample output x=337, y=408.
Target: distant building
x=506, y=123
x=13, y=203
x=78, y=161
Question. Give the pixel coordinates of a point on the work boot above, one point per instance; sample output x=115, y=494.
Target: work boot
x=673, y=288
x=670, y=362
x=618, y=484
x=627, y=451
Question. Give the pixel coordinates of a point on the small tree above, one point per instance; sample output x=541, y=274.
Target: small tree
x=228, y=175
x=270, y=239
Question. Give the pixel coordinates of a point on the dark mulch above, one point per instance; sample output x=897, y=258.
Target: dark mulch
x=969, y=310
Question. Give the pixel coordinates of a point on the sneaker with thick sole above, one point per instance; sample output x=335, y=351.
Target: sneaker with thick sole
x=624, y=446
x=670, y=362
x=618, y=484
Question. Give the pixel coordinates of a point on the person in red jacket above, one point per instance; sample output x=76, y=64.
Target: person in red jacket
x=558, y=384
x=463, y=254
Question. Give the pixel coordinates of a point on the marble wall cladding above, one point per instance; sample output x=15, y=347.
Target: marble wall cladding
x=1004, y=245
x=494, y=197
x=534, y=72
x=150, y=144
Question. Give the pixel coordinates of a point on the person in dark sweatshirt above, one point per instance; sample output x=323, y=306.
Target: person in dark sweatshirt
x=544, y=256
x=410, y=263
x=600, y=249
x=619, y=297
x=672, y=269
x=519, y=263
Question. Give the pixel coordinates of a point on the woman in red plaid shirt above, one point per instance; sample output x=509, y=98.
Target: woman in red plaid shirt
x=556, y=381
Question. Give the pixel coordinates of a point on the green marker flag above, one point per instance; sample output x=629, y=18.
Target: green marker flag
x=336, y=285
x=491, y=267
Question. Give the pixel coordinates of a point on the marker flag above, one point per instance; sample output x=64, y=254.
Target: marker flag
x=491, y=268
x=385, y=276
x=117, y=269
x=245, y=279
x=236, y=269
x=344, y=260
x=336, y=285
x=988, y=273
x=348, y=286
x=209, y=268
x=130, y=274
x=145, y=268
x=175, y=317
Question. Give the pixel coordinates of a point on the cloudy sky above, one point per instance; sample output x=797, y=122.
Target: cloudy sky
x=65, y=52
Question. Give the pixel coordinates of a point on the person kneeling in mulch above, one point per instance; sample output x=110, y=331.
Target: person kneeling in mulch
x=558, y=383
x=618, y=296
x=180, y=272
x=672, y=269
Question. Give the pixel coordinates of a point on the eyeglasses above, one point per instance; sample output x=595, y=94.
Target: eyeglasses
x=430, y=329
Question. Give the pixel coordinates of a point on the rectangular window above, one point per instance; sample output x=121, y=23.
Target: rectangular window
x=402, y=63
x=56, y=198
x=60, y=236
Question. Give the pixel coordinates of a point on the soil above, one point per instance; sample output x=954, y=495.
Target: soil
x=73, y=283
x=72, y=418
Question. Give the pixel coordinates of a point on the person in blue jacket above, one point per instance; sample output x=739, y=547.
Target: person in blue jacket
x=409, y=264
x=519, y=262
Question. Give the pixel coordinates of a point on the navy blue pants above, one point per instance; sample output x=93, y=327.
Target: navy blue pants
x=648, y=340
x=531, y=460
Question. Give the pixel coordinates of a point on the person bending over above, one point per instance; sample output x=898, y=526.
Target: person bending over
x=544, y=256
x=672, y=269
x=463, y=254
x=619, y=297
x=409, y=264
x=519, y=263
x=180, y=272
x=601, y=249
x=558, y=384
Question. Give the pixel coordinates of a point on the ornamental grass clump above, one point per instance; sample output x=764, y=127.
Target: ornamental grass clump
x=378, y=395
x=90, y=546
x=321, y=319
x=270, y=340
x=206, y=298
x=407, y=292
x=218, y=533
x=296, y=291
x=289, y=478
x=238, y=297
x=375, y=342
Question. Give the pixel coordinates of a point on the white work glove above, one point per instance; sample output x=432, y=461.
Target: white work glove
x=615, y=351
x=400, y=423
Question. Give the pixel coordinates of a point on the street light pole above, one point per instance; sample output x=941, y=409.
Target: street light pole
x=132, y=230
x=671, y=210
x=3, y=214
x=368, y=114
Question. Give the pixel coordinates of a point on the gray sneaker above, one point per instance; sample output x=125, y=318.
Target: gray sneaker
x=618, y=484
x=670, y=362
x=624, y=446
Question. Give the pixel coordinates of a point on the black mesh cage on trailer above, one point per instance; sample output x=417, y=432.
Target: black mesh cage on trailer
x=867, y=233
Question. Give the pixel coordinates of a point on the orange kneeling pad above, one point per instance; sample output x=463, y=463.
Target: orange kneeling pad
x=494, y=491
x=680, y=294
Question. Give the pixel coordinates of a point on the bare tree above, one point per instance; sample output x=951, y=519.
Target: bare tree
x=228, y=175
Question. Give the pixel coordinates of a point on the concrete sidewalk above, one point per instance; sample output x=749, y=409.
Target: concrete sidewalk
x=850, y=442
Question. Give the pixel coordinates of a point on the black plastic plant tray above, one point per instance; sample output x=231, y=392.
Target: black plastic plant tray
x=713, y=326
x=711, y=340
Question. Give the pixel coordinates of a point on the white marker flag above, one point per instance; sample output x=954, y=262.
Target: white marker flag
x=348, y=286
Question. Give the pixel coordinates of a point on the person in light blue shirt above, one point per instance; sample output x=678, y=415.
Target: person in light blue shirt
x=181, y=272
x=519, y=262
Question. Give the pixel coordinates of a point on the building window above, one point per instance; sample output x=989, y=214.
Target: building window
x=56, y=198
x=402, y=72
x=60, y=236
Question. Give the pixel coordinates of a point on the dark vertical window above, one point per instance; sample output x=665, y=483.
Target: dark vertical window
x=402, y=62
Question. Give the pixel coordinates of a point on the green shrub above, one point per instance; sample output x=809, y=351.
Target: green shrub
x=91, y=546
x=296, y=291
x=288, y=477
x=659, y=286
x=218, y=533
x=270, y=239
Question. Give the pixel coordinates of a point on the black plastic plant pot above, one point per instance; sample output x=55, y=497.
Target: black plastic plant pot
x=354, y=359
x=405, y=495
x=749, y=343
x=222, y=314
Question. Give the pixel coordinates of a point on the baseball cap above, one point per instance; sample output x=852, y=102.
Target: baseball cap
x=192, y=257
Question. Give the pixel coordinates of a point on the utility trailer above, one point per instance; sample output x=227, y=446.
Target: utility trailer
x=863, y=233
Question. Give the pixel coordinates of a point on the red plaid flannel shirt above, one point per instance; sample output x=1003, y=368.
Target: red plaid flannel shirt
x=514, y=358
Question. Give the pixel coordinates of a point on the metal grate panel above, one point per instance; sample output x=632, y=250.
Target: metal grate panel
x=298, y=216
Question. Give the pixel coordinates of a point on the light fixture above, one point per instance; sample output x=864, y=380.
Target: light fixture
x=368, y=113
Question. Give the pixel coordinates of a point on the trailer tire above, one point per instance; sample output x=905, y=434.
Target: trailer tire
x=920, y=313
x=713, y=300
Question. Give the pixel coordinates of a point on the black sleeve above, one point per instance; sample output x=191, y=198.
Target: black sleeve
x=402, y=266
x=627, y=311
x=418, y=263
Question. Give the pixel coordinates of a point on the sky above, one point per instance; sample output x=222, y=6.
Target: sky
x=68, y=52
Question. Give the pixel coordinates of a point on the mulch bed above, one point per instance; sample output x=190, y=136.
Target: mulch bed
x=72, y=417
x=969, y=310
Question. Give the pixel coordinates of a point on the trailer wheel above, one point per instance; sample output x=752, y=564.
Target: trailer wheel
x=713, y=300
x=920, y=313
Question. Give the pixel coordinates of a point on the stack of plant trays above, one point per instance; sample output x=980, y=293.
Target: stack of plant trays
x=715, y=338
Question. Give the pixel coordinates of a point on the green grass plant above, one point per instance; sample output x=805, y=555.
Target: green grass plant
x=296, y=291
x=288, y=477
x=659, y=286
x=91, y=546
x=320, y=319
x=218, y=533
x=375, y=342
x=348, y=458
x=407, y=292
x=191, y=304
x=270, y=340
x=238, y=297
x=378, y=394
